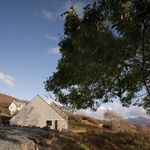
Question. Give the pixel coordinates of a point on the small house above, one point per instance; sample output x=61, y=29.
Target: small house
x=38, y=113
x=15, y=107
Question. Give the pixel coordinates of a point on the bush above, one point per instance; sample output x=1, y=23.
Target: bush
x=90, y=131
x=108, y=126
x=90, y=119
x=75, y=118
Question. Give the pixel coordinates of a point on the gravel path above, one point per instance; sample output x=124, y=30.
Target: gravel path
x=12, y=137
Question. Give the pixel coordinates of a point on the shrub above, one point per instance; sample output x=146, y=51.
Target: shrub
x=75, y=118
x=108, y=126
x=90, y=119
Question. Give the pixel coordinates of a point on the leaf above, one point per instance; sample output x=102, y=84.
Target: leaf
x=104, y=55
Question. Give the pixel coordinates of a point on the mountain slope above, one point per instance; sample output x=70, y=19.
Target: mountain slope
x=6, y=100
x=139, y=121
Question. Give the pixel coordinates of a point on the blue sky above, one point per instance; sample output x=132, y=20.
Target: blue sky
x=30, y=31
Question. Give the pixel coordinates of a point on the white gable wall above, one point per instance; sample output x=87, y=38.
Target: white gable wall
x=13, y=108
x=36, y=113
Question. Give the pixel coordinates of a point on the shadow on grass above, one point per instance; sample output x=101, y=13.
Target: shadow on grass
x=117, y=140
x=69, y=144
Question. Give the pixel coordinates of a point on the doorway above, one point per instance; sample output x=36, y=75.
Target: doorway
x=56, y=124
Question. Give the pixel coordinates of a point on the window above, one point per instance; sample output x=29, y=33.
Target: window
x=48, y=123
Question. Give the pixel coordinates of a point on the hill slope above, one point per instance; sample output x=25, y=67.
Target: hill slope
x=6, y=100
x=86, y=134
x=139, y=121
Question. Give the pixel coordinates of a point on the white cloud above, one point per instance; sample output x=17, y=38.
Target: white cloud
x=47, y=14
x=6, y=79
x=131, y=112
x=51, y=37
x=2, y=76
x=95, y=114
x=54, y=50
x=65, y=6
x=134, y=111
x=9, y=82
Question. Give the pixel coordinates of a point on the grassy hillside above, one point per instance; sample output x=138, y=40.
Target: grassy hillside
x=87, y=134
x=5, y=101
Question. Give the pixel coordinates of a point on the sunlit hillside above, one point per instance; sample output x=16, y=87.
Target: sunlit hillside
x=86, y=133
x=5, y=101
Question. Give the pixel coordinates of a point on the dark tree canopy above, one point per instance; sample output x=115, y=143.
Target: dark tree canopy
x=105, y=55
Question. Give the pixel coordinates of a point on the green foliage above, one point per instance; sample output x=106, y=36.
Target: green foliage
x=105, y=55
x=90, y=119
x=90, y=131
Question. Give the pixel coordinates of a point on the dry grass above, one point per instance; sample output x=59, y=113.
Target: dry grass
x=5, y=101
x=94, y=140
x=86, y=135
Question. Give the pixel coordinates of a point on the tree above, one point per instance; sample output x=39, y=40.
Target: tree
x=112, y=116
x=105, y=55
x=117, y=121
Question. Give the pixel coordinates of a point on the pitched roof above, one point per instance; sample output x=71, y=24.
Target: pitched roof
x=35, y=113
x=18, y=104
x=59, y=111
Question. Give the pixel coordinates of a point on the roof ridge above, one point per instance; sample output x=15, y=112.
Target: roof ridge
x=57, y=109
